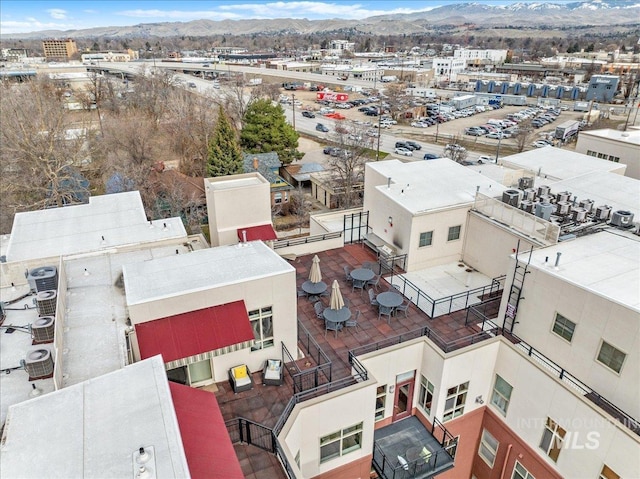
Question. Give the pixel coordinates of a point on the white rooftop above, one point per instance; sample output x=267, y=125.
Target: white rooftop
x=423, y=186
x=631, y=136
x=201, y=270
x=78, y=431
x=607, y=263
x=559, y=164
x=106, y=222
x=235, y=181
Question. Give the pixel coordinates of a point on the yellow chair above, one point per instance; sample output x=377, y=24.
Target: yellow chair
x=240, y=378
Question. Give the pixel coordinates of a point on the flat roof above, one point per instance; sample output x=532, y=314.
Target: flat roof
x=78, y=431
x=631, y=136
x=557, y=163
x=106, y=222
x=423, y=186
x=201, y=270
x=605, y=263
x=235, y=181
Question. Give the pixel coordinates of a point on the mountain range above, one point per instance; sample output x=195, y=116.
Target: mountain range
x=517, y=15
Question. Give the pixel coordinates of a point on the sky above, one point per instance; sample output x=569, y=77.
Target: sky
x=23, y=16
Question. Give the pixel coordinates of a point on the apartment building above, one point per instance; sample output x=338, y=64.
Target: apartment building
x=475, y=56
x=59, y=49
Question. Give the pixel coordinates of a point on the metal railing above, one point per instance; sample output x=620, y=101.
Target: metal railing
x=483, y=313
x=283, y=243
x=355, y=226
x=626, y=419
x=314, y=376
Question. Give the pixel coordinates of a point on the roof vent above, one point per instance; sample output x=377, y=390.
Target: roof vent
x=43, y=278
x=39, y=364
x=603, y=212
x=144, y=463
x=42, y=329
x=46, y=303
x=525, y=182
x=622, y=219
x=511, y=197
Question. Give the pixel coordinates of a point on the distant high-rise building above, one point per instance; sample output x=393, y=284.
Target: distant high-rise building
x=59, y=49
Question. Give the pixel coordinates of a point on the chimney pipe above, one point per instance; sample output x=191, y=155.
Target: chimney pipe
x=244, y=236
x=389, y=183
x=255, y=163
x=558, y=259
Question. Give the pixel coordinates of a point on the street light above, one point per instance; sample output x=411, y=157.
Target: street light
x=498, y=148
x=293, y=109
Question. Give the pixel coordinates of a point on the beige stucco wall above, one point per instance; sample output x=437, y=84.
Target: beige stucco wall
x=629, y=154
x=597, y=318
x=230, y=208
x=488, y=246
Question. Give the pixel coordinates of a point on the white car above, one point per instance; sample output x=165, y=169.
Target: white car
x=486, y=159
x=541, y=144
x=403, y=152
x=419, y=124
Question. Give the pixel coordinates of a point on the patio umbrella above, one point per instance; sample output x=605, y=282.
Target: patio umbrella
x=315, y=276
x=336, y=301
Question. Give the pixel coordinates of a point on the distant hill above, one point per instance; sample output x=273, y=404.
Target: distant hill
x=519, y=15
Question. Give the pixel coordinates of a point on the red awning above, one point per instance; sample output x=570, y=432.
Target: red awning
x=262, y=232
x=210, y=454
x=195, y=332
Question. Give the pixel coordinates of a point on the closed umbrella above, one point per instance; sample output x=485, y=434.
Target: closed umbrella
x=315, y=275
x=336, y=301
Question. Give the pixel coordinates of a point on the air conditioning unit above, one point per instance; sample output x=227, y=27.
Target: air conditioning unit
x=545, y=199
x=587, y=205
x=39, y=363
x=527, y=206
x=622, y=219
x=43, y=278
x=511, y=197
x=543, y=210
x=563, y=208
x=603, y=212
x=42, y=329
x=563, y=196
x=46, y=303
x=579, y=215
x=525, y=182
x=543, y=190
x=530, y=194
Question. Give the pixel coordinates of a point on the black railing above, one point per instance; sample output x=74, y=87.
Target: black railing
x=304, y=379
x=355, y=226
x=483, y=313
x=626, y=419
x=283, y=243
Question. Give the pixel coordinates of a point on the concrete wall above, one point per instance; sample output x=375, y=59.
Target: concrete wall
x=629, y=153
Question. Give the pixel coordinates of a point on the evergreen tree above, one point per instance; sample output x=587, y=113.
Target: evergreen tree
x=265, y=130
x=224, y=156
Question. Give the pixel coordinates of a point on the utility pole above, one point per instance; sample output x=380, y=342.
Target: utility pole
x=498, y=148
x=293, y=109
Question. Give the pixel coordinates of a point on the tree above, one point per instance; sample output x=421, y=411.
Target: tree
x=455, y=151
x=300, y=206
x=225, y=156
x=347, y=167
x=524, y=133
x=265, y=130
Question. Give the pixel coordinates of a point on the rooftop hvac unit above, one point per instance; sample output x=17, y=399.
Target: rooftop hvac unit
x=527, y=206
x=545, y=198
x=511, y=197
x=543, y=210
x=563, y=208
x=579, y=215
x=525, y=182
x=530, y=194
x=587, y=205
x=622, y=219
x=46, y=303
x=39, y=363
x=603, y=212
x=543, y=190
x=42, y=329
x=43, y=278
x=563, y=196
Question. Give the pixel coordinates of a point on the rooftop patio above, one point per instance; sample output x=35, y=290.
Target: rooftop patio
x=265, y=404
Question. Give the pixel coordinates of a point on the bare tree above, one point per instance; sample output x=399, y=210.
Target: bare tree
x=455, y=150
x=300, y=207
x=522, y=137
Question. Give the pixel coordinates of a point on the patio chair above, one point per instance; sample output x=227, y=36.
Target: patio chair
x=331, y=326
x=385, y=311
x=353, y=322
x=240, y=378
x=347, y=274
x=404, y=307
x=347, y=302
x=372, y=297
x=302, y=294
x=375, y=282
x=272, y=372
x=319, y=309
x=358, y=284
x=368, y=265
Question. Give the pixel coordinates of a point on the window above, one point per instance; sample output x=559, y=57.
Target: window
x=615, y=159
x=611, y=357
x=607, y=473
x=262, y=325
x=488, y=448
x=501, y=394
x=552, y=439
x=454, y=233
x=564, y=327
x=381, y=399
x=277, y=198
x=451, y=446
x=454, y=405
x=591, y=153
x=425, y=399
x=340, y=443
x=426, y=239
x=519, y=472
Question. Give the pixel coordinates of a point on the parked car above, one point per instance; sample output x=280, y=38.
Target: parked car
x=419, y=124
x=496, y=135
x=308, y=114
x=474, y=131
x=541, y=143
x=322, y=128
x=403, y=152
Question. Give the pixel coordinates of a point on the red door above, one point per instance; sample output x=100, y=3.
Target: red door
x=403, y=399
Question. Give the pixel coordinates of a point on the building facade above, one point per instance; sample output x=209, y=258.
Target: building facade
x=59, y=49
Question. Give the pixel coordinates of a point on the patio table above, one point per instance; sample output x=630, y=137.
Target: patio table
x=362, y=274
x=389, y=299
x=337, y=315
x=314, y=289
